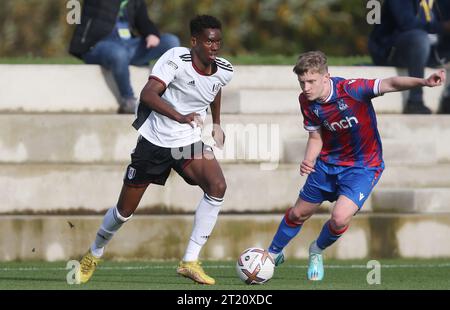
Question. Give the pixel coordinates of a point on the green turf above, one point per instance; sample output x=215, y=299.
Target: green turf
x=40, y=60
x=395, y=274
x=245, y=59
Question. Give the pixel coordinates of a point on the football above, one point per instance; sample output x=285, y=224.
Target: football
x=255, y=266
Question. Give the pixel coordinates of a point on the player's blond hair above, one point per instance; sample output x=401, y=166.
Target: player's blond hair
x=313, y=61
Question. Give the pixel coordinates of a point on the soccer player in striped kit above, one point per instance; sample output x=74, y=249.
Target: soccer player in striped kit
x=343, y=158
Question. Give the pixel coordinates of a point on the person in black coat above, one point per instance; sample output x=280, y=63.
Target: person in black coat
x=413, y=34
x=116, y=34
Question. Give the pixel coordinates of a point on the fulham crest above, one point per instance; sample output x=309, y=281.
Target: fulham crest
x=131, y=173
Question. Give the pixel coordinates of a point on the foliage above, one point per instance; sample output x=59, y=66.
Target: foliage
x=265, y=27
x=240, y=59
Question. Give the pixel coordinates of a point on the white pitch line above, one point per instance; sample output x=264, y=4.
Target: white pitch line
x=150, y=267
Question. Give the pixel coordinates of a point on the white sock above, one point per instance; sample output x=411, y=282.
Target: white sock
x=192, y=251
x=313, y=248
x=111, y=224
x=204, y=221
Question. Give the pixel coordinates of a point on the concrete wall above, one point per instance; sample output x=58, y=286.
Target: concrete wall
x=64, y=150
x=92, y=138
x=254, y=89
x=67, y=162
x=165, y=237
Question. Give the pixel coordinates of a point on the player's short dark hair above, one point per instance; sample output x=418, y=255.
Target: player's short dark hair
x=202, y=22
x=314, y=61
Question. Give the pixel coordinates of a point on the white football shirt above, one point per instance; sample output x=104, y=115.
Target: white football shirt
x=187, y=90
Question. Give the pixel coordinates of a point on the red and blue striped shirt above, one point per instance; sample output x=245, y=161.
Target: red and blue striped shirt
x=348, y=123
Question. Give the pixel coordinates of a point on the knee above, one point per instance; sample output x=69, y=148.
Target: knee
x=421, y=43
x=168, y=41
x=117, y=57
x=339, y=222
x=417, y=41
x=218, y=188
x=296, y=215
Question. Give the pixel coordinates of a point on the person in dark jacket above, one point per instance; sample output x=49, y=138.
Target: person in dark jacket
x=413, y=34
x=116, y=34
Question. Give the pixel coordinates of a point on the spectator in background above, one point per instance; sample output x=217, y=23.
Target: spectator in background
x=115, y=34
x=413, y=34
x=443, y=49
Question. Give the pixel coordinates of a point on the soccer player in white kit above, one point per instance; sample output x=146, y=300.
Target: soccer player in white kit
x=183, y=84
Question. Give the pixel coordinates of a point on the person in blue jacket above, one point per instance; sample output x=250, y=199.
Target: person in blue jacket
x=413, y=34
x=116, y=34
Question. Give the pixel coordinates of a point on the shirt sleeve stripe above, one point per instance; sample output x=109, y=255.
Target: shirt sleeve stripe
x=158, y=79
x=376, y=88
x=311, y=128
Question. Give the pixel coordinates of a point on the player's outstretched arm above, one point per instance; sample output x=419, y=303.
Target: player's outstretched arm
x=399, y=83
x=150, y=95
x=313, y=148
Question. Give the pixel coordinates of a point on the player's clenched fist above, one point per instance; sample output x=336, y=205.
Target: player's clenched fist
x=306, y=167
x=436, y=79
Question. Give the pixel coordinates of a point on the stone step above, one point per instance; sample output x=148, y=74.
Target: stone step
x=261, y=101
x=88, y=138
x=415, y=176
x=285, y=101
x=63, y=88
x=163, y=237
x=30, y=188
x=251, y=91
x=42, y=188
x=254, y=89
x=412, y=200
x=395, y=151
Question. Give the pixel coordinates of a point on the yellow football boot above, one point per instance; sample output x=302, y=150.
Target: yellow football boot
x=193, y=270
x=87, y=266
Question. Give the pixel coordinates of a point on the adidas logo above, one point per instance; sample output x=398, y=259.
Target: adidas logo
x=361, y=196
x=191, y=83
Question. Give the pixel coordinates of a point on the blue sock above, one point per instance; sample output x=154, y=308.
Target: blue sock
x=328, y=236
x=286, y=231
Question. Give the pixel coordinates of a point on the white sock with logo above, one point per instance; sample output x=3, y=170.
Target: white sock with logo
x=111, y=224
x=204, y=221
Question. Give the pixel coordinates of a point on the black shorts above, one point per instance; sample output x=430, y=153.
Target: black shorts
x=151, y=163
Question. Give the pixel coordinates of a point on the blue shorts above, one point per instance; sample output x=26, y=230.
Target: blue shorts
x=331, y=181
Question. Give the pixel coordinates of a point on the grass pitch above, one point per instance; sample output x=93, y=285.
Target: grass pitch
x=144, y=275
